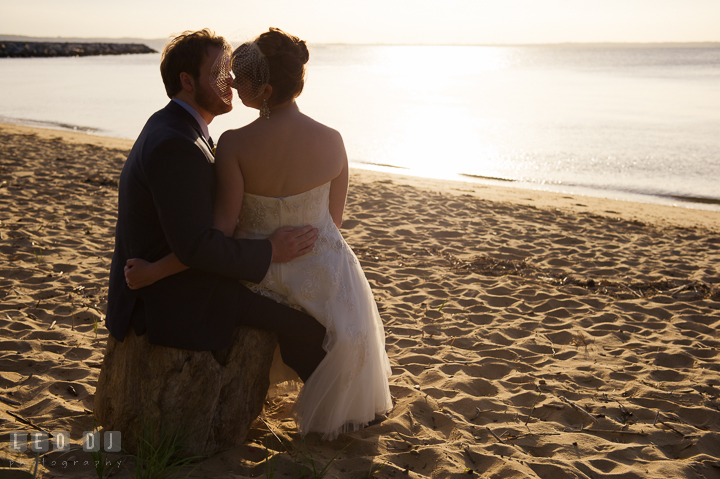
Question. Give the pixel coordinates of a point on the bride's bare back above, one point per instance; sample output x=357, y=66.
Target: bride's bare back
x=283, y=155
x=287, y=154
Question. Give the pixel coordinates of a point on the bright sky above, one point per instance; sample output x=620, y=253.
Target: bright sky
x=375, y=21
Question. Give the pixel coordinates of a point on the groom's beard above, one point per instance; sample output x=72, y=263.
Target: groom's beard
x=207, y=99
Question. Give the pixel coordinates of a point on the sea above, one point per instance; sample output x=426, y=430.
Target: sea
x=637, y=122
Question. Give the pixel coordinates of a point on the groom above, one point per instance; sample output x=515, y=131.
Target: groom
x=165, y=203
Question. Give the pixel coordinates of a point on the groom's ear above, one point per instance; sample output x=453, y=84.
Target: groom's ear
x=188, y=82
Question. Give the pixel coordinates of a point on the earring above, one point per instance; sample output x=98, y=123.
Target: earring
x=265, y=110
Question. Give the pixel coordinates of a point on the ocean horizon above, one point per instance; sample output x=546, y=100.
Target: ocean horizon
x=624, y=121
x=235, y=40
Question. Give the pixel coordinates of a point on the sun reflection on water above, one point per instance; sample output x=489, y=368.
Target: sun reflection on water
x=440, y=62
x=443, y=124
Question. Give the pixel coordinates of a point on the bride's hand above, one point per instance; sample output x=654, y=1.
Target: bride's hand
x=139, y=273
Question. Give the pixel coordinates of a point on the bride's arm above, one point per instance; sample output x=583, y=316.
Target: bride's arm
x=230, y=187
x=140, y=273
x=339, y=186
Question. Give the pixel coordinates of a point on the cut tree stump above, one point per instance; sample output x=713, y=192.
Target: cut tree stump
x=212, y=397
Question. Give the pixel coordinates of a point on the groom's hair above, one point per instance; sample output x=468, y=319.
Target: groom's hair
x=185, y=53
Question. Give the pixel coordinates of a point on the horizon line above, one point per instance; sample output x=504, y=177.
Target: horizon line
x=481, y=44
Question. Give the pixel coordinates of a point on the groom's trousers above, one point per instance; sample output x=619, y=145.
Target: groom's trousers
x=300, y=336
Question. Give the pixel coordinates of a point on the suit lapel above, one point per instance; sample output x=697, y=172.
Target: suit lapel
x=210, y=147
x=182, y=112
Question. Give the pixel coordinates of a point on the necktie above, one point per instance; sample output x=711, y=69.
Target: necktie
x=212, y=143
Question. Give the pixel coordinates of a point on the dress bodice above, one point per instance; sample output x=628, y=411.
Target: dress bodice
x=261, y=215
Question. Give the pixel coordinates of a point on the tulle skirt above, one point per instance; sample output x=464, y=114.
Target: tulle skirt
x=350, y=386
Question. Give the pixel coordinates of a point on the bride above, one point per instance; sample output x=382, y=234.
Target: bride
x=286, y=169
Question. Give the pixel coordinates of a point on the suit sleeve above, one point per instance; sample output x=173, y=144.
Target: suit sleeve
x=181, y=182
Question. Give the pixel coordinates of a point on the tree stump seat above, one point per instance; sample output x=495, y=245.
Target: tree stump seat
x=212, y=397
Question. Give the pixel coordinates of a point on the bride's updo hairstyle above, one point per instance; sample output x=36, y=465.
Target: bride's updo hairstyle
x=286, y=56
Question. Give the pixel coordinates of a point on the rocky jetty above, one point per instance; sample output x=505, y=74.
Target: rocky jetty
x=49, y=49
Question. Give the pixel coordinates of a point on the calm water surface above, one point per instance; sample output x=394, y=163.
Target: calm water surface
x=619, y=122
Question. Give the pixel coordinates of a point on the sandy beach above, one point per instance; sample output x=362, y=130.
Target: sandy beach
x=531, y=334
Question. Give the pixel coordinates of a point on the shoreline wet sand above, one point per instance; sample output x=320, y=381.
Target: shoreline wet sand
x=530, y=334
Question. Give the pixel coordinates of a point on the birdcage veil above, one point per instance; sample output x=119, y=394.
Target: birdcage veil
x=251, y=71
x=221, y=77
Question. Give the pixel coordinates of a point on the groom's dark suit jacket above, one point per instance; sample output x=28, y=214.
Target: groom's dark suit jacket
x=165, y=203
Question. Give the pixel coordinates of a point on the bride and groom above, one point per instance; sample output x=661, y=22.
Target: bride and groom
x=248, y=234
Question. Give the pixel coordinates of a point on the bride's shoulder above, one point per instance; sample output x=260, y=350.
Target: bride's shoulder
x=234, y=136
x=327, y=133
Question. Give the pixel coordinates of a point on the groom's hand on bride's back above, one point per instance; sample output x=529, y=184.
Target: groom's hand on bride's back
x=289, y=243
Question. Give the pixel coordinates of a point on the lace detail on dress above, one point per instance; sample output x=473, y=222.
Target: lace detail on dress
x=255, y=216
x=359, y=347
x=269, y=293
x=261, y=215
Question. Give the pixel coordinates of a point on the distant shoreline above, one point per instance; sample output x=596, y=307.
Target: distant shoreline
x=158, y=43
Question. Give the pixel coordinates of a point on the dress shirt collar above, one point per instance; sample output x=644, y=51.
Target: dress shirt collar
x=201, y=121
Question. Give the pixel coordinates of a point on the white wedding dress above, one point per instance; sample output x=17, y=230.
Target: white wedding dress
x=350, y=386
